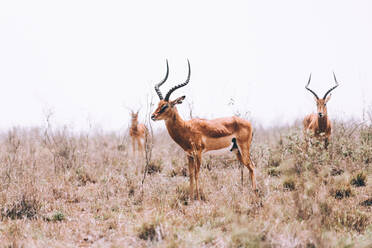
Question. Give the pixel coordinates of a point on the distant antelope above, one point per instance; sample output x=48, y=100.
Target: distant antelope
x=137, y=132
x=197, y=136
x=319, y=124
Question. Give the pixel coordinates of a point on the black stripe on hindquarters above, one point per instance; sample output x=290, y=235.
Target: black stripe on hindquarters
x=235, y=146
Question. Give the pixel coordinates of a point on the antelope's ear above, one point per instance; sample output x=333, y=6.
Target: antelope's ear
x=177, y=101
x=328, y=98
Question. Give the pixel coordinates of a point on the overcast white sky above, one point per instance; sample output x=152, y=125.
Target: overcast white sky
x=91, y=59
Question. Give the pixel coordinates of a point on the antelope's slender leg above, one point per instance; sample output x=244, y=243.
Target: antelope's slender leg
x=140, y=147
x=197, y=168
x=192, y=175
x=244, y=157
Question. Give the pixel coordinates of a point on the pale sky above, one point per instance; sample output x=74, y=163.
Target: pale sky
x=89, y=60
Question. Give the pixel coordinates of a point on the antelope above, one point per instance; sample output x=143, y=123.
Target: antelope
x=197, y=136
x=137, y=132
x=319, y=124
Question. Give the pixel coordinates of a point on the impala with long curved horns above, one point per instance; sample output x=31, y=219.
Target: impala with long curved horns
x=319, y=124
x=197, y=136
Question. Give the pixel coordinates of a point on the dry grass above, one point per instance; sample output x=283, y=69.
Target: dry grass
x=62, y=189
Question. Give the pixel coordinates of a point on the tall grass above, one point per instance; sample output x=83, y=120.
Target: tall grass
x=59, y=188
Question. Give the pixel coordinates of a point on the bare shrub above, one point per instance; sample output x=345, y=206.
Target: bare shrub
x=336, y=171
x=245, y=238
x=182, y=194
x=359, y=180
x=179, y=171
x=274, y=159
x=155, y=166
x=367, y=203
x=352, y=220
x=274, y=172
x=150, y=231
x=61, y=144
x=343, y=191
x=83, y=176
x=289, y=184
x=28, y=206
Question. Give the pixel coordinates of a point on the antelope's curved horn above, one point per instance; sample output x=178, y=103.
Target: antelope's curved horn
x=161, y=83
x=180, y=85
x=306, y=87
x=334, y=87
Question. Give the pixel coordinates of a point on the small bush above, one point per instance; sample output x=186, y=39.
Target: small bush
x=155, y=166
x=58, y=216
x=121, y=147
x=310, y=245
x=182, y=193
x=341, y=188
x=84, y=177
x=325, y=208
x=366, y=135
x=274, y=172
x=274, y=160
x=147, y=231
x=289, y=184
x=353, y=220
x=150, y=231
x=245, y=238
x=131, y=191
x=336, y=171
x=28, y=206
x=181, y=171
x=367, y=203
x=341, y=192
x=359, y=180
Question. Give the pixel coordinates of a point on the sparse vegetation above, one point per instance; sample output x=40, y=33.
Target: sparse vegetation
x=274, y=172
x=155, y=166
x=289, y=184
x=147, y=231
x=58, y=216
x=59, y=188
x=25, y=207
x=367, y=203
x=359, y=180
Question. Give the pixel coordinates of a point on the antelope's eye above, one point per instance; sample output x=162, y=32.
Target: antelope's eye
x=163, y=109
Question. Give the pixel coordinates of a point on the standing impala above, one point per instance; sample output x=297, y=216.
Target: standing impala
x=137, y=132
x=197, y=136
x=319, y=124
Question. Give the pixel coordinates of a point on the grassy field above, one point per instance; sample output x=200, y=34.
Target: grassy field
x=63, y=189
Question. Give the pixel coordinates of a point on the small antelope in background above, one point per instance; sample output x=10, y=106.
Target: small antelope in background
x=197, y=136
x=137, y=132
x=319, y=124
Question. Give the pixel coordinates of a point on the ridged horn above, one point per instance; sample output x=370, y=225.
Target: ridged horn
x=306, y=87
x=161, y=83
x=180, y=85
x=334, y=87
